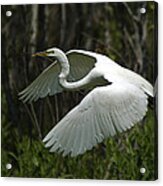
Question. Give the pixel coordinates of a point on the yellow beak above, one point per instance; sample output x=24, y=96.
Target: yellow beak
x=42, y=54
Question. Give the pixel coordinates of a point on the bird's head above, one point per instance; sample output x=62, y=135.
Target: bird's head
x=51, y=52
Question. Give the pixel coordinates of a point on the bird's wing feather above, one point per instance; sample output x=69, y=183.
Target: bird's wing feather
x=47, y=82
x=81, y=63
x=102, y=113
x=138, y=81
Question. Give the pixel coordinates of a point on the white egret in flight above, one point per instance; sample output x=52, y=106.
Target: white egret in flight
x=117, y=101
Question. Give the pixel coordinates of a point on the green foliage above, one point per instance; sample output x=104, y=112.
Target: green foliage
x=120, y=157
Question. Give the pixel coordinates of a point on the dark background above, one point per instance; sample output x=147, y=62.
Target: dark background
x=117, y=30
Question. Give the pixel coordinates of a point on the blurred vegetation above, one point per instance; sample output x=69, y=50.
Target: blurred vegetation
x=118, y=30
x=120, y=157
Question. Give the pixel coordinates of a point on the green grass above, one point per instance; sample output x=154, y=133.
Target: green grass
x=120, y=157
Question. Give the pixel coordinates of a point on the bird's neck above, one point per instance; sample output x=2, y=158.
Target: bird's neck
x=64, y=65
x=65, y=69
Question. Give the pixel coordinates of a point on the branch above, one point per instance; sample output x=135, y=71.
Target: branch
x=135, y=18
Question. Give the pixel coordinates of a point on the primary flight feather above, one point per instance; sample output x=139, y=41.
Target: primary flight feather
x=118, y=98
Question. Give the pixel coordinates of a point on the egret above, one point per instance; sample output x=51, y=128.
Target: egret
x=117, y=100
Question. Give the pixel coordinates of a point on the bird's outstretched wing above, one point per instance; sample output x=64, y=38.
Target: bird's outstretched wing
x=102, y=113
x=45, y=84
x=81, y=62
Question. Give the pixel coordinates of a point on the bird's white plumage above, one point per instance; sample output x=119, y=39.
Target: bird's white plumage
x=106, y=110
x=102, y=113
x=47, y=82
